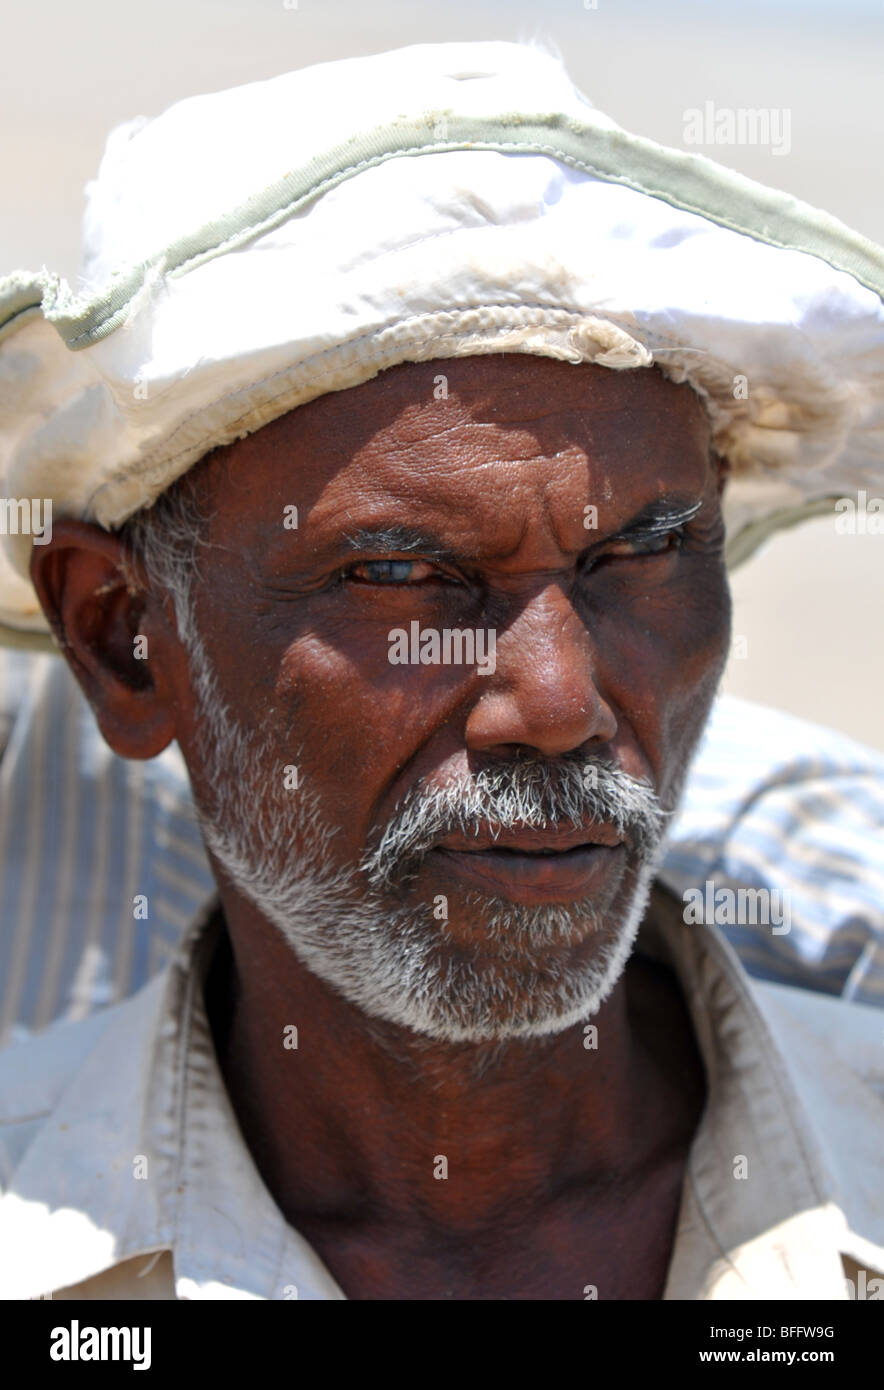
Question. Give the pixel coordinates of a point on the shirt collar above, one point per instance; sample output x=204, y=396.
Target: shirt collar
x=758, y=1215
x=144, y=1153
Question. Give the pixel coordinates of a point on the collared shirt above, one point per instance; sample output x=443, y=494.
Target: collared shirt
x=125, y=1175
x=102, y=867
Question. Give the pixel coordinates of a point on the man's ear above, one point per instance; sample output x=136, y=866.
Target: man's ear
x=118, y=639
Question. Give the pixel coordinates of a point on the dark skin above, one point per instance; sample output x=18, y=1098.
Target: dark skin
x=565, y=1165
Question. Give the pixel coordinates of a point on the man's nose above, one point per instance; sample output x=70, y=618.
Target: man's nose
x=543, y=693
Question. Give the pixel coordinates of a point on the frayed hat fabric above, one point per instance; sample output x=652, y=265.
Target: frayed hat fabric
x=250, y=250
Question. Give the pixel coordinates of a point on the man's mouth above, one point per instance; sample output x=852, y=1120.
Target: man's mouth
x=529, y=865
x=529, y=840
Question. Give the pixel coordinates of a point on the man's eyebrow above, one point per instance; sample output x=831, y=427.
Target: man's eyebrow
x=664, y=514
x=400, y=538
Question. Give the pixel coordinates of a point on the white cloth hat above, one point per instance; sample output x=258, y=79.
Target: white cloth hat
x=252, y=249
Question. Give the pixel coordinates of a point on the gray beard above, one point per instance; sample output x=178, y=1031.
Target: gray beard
x=401, y=963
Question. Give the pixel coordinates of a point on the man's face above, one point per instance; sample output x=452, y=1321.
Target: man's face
x=466, y=847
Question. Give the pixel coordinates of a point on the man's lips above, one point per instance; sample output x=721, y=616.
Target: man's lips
x=536, y=866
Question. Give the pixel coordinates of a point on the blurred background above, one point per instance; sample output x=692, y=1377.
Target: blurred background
x=809, y=610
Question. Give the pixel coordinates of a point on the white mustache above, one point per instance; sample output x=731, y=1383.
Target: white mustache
x=535, y=792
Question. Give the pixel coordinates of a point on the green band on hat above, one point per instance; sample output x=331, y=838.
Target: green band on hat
x=687, y=181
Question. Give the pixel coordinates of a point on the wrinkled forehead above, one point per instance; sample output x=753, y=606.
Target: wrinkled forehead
x=487, y=440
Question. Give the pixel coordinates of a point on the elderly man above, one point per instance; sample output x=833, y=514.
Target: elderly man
x=393, y=475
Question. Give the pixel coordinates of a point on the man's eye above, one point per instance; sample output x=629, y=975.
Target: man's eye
x=634, y=547
x=392, y=572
